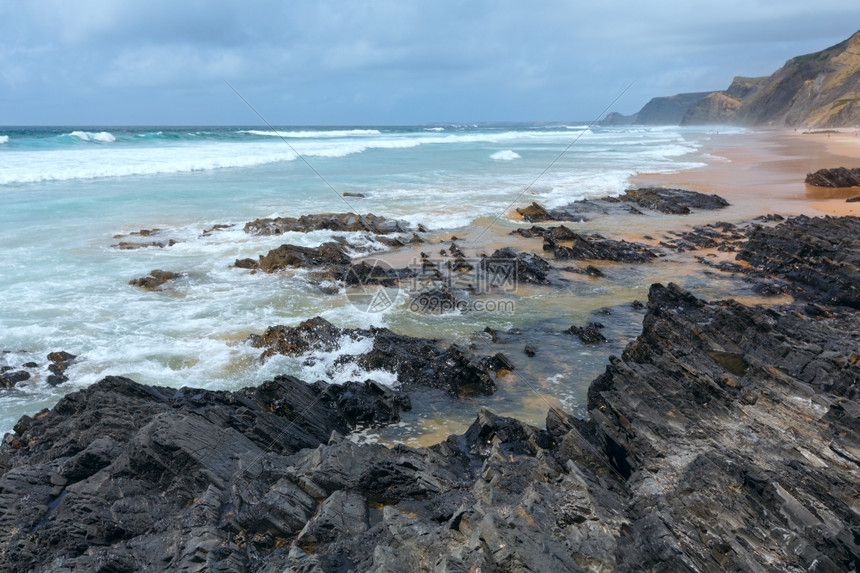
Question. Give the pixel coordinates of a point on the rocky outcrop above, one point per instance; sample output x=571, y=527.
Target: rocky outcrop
x=294, y=256
x=595, y=247
x=9, y=377
x=658, y=199
x=589, y=334
x=734, y=423
x=837, y=177
x=154, y=280
x=514, y=267
x=415, y=361
x=535, y=213
x=724, y=438
x=673, y=201
x=60, y=362
x=126, y=477
x=816, y=258
x=566, y=244
x=327, y=221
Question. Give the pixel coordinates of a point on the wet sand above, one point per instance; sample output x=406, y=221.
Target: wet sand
x=764, y=172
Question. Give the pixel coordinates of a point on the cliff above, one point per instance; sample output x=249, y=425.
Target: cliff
x=668, y=110
x=815, y=90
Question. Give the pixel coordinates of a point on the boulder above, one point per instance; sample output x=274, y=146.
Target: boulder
x=154, y=280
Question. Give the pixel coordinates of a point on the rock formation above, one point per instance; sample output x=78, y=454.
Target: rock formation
x=821, y=89
x=838, y=177
x=327, y=221
x=724, y=438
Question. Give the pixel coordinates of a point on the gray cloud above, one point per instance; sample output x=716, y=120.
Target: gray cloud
x=118, y=61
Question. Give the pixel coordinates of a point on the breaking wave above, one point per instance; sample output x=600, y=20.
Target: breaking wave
x=506, y=155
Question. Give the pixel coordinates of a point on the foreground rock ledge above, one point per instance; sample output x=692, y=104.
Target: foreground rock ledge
x=724, y=438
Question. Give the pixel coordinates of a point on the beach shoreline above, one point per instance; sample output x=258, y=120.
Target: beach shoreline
x=762, y=172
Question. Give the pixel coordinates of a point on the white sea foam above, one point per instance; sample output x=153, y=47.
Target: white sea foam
x=69, y=164
x=4, y=139
x=330, y=366
x=102, y=136
x=715, y=158
x=316, y=133
x=64, y=165
x=506, y=155
x=434, y=129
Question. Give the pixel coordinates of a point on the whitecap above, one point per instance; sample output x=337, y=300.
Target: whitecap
x=4, y=139
x=506, y=155
x=102, y=136
x=715, y=158
x=315, y=133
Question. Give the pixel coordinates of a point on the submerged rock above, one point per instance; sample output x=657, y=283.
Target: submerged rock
x=129, y=245
x=589, y=334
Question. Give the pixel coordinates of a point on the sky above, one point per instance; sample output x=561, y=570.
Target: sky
x=380, y=62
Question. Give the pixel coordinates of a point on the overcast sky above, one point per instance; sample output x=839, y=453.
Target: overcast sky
x=165, y=62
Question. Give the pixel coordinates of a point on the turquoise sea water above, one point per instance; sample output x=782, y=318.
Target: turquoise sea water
x=66, y=193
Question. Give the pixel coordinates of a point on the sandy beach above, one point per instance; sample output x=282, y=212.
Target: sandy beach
x=763, y=172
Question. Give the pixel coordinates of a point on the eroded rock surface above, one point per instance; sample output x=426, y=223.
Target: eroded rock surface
x=154, y=280
x=837, y=177
x=415, y=361
x=818, y=258
x=566, y=244
x=662, y=200
x=329, y=222
x=724, y=438
x=126, y=477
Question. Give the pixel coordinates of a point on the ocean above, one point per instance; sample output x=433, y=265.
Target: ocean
x=69, y=195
